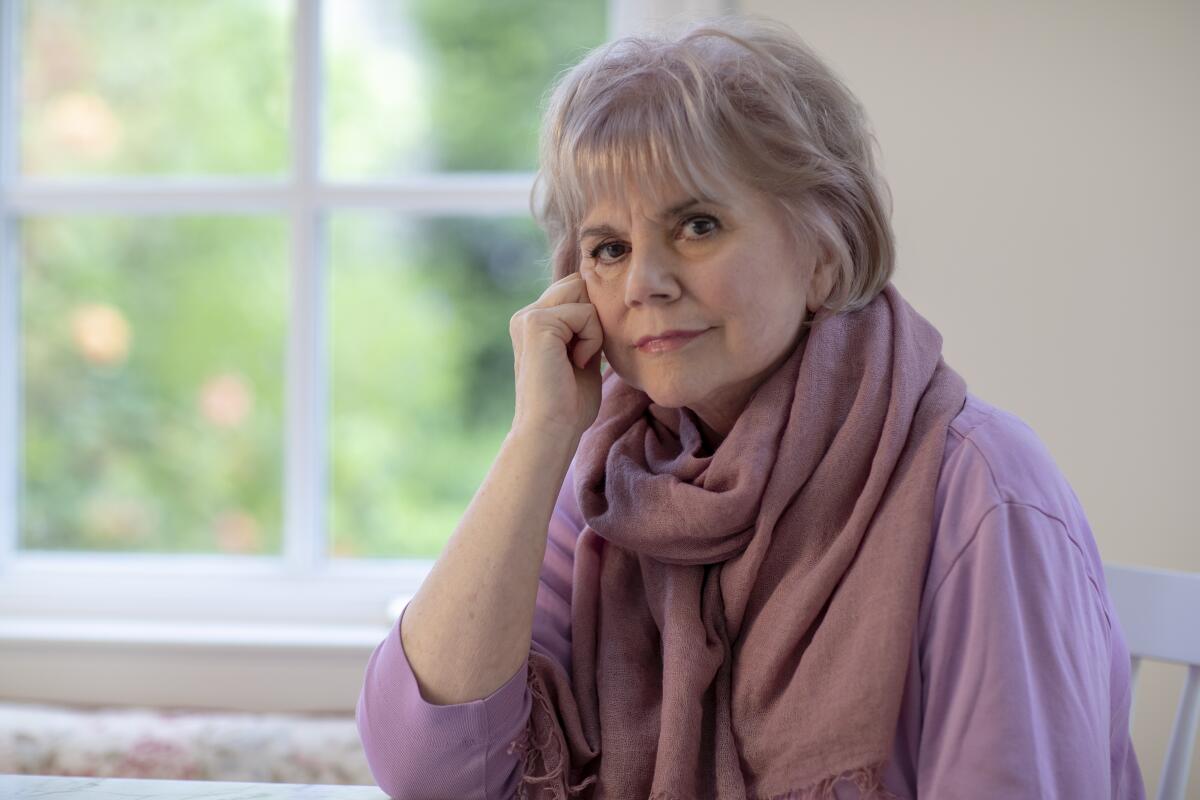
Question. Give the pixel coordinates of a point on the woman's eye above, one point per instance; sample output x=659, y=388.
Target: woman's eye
x=697, y=227
x=609, y=251
x=701, y=225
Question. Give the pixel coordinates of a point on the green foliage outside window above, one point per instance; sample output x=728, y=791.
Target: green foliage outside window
x=154, y=348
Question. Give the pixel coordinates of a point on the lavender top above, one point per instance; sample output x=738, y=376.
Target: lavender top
x=1018, y=681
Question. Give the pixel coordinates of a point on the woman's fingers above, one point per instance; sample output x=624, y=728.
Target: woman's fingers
x=554, y=339
x=570, y=289
x=589, y=335
x=571, y=322
x=568, y=297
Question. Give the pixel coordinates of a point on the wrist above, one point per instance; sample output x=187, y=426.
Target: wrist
x=549, y=441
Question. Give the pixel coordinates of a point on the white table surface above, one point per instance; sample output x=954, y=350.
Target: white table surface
x=14, y=787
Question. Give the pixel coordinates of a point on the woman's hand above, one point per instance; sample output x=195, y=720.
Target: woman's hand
x=557, y=341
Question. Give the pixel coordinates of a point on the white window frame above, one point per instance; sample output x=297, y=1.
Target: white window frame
x=61, y=614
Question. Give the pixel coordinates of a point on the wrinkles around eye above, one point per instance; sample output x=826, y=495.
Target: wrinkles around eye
x=594, y=252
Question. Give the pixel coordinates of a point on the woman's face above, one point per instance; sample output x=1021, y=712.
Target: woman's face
x=727, y=267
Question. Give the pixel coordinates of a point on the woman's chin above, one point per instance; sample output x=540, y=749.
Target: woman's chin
x=661, y=390
x=670, y=396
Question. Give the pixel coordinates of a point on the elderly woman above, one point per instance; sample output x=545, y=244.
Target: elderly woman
x=777, y=550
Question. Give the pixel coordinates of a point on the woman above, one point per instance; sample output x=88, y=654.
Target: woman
x=790, y=555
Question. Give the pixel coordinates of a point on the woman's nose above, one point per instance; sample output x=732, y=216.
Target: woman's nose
x=651, y=276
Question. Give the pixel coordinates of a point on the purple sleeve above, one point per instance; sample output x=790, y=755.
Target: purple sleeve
x=416, y=749
x=1016, y=658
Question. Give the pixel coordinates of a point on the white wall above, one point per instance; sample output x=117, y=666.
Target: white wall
x=1043, y=160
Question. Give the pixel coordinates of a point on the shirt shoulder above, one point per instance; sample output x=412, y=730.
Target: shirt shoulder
x=998, y=456
x=994, y=459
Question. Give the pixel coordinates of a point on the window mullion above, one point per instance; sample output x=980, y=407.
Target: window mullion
x=10, y=385
x=10, y=63
x=305, y=486
x=447, y=193
x=10, y=307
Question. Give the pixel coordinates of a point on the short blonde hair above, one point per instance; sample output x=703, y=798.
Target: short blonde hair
x=734, y=98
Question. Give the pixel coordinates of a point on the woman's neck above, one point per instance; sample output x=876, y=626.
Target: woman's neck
x=711, y=437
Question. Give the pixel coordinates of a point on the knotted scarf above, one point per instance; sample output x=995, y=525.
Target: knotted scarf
x=742, y=618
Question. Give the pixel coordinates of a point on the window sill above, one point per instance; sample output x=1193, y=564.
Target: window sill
x=205, y=590
x=212, y=633
x=192, y=636
x=218, y=666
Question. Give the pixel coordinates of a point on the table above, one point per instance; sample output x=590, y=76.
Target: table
x=21, y=787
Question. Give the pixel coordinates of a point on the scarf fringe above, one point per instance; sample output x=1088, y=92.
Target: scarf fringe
x=868, y=780
x=553, y=779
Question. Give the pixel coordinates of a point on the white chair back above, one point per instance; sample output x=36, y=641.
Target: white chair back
x=1159, y=612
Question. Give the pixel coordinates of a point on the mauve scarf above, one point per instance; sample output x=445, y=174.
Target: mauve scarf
x=742, y=619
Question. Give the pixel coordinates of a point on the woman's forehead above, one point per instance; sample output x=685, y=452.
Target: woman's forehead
x=649, y=196
x=664, y=200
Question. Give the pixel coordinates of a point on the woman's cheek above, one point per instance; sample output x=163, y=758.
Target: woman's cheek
x=621, y=360
x=615, y=359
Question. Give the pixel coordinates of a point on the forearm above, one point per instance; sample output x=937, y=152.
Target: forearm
x=469, y=626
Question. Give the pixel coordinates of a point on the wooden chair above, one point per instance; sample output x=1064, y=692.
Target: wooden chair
x=1159, y=611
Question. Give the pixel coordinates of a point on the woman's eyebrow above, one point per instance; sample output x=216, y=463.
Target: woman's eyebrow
x=679, y=208
x=598, y=230
x=675, y=210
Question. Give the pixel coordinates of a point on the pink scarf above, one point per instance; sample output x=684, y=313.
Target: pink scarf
x=742, y=620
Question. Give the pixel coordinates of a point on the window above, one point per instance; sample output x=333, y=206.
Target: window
x=257, y=259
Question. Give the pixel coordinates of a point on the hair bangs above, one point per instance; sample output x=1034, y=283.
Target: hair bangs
x=623, y=144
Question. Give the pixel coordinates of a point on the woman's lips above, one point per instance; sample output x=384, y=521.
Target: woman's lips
x=669, y=343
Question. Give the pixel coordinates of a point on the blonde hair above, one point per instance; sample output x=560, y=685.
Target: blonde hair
x=731, y=99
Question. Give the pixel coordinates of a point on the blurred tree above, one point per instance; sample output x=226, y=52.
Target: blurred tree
x=154, y=348
x=192, y=87
x=488, y=66
x=153, y=380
